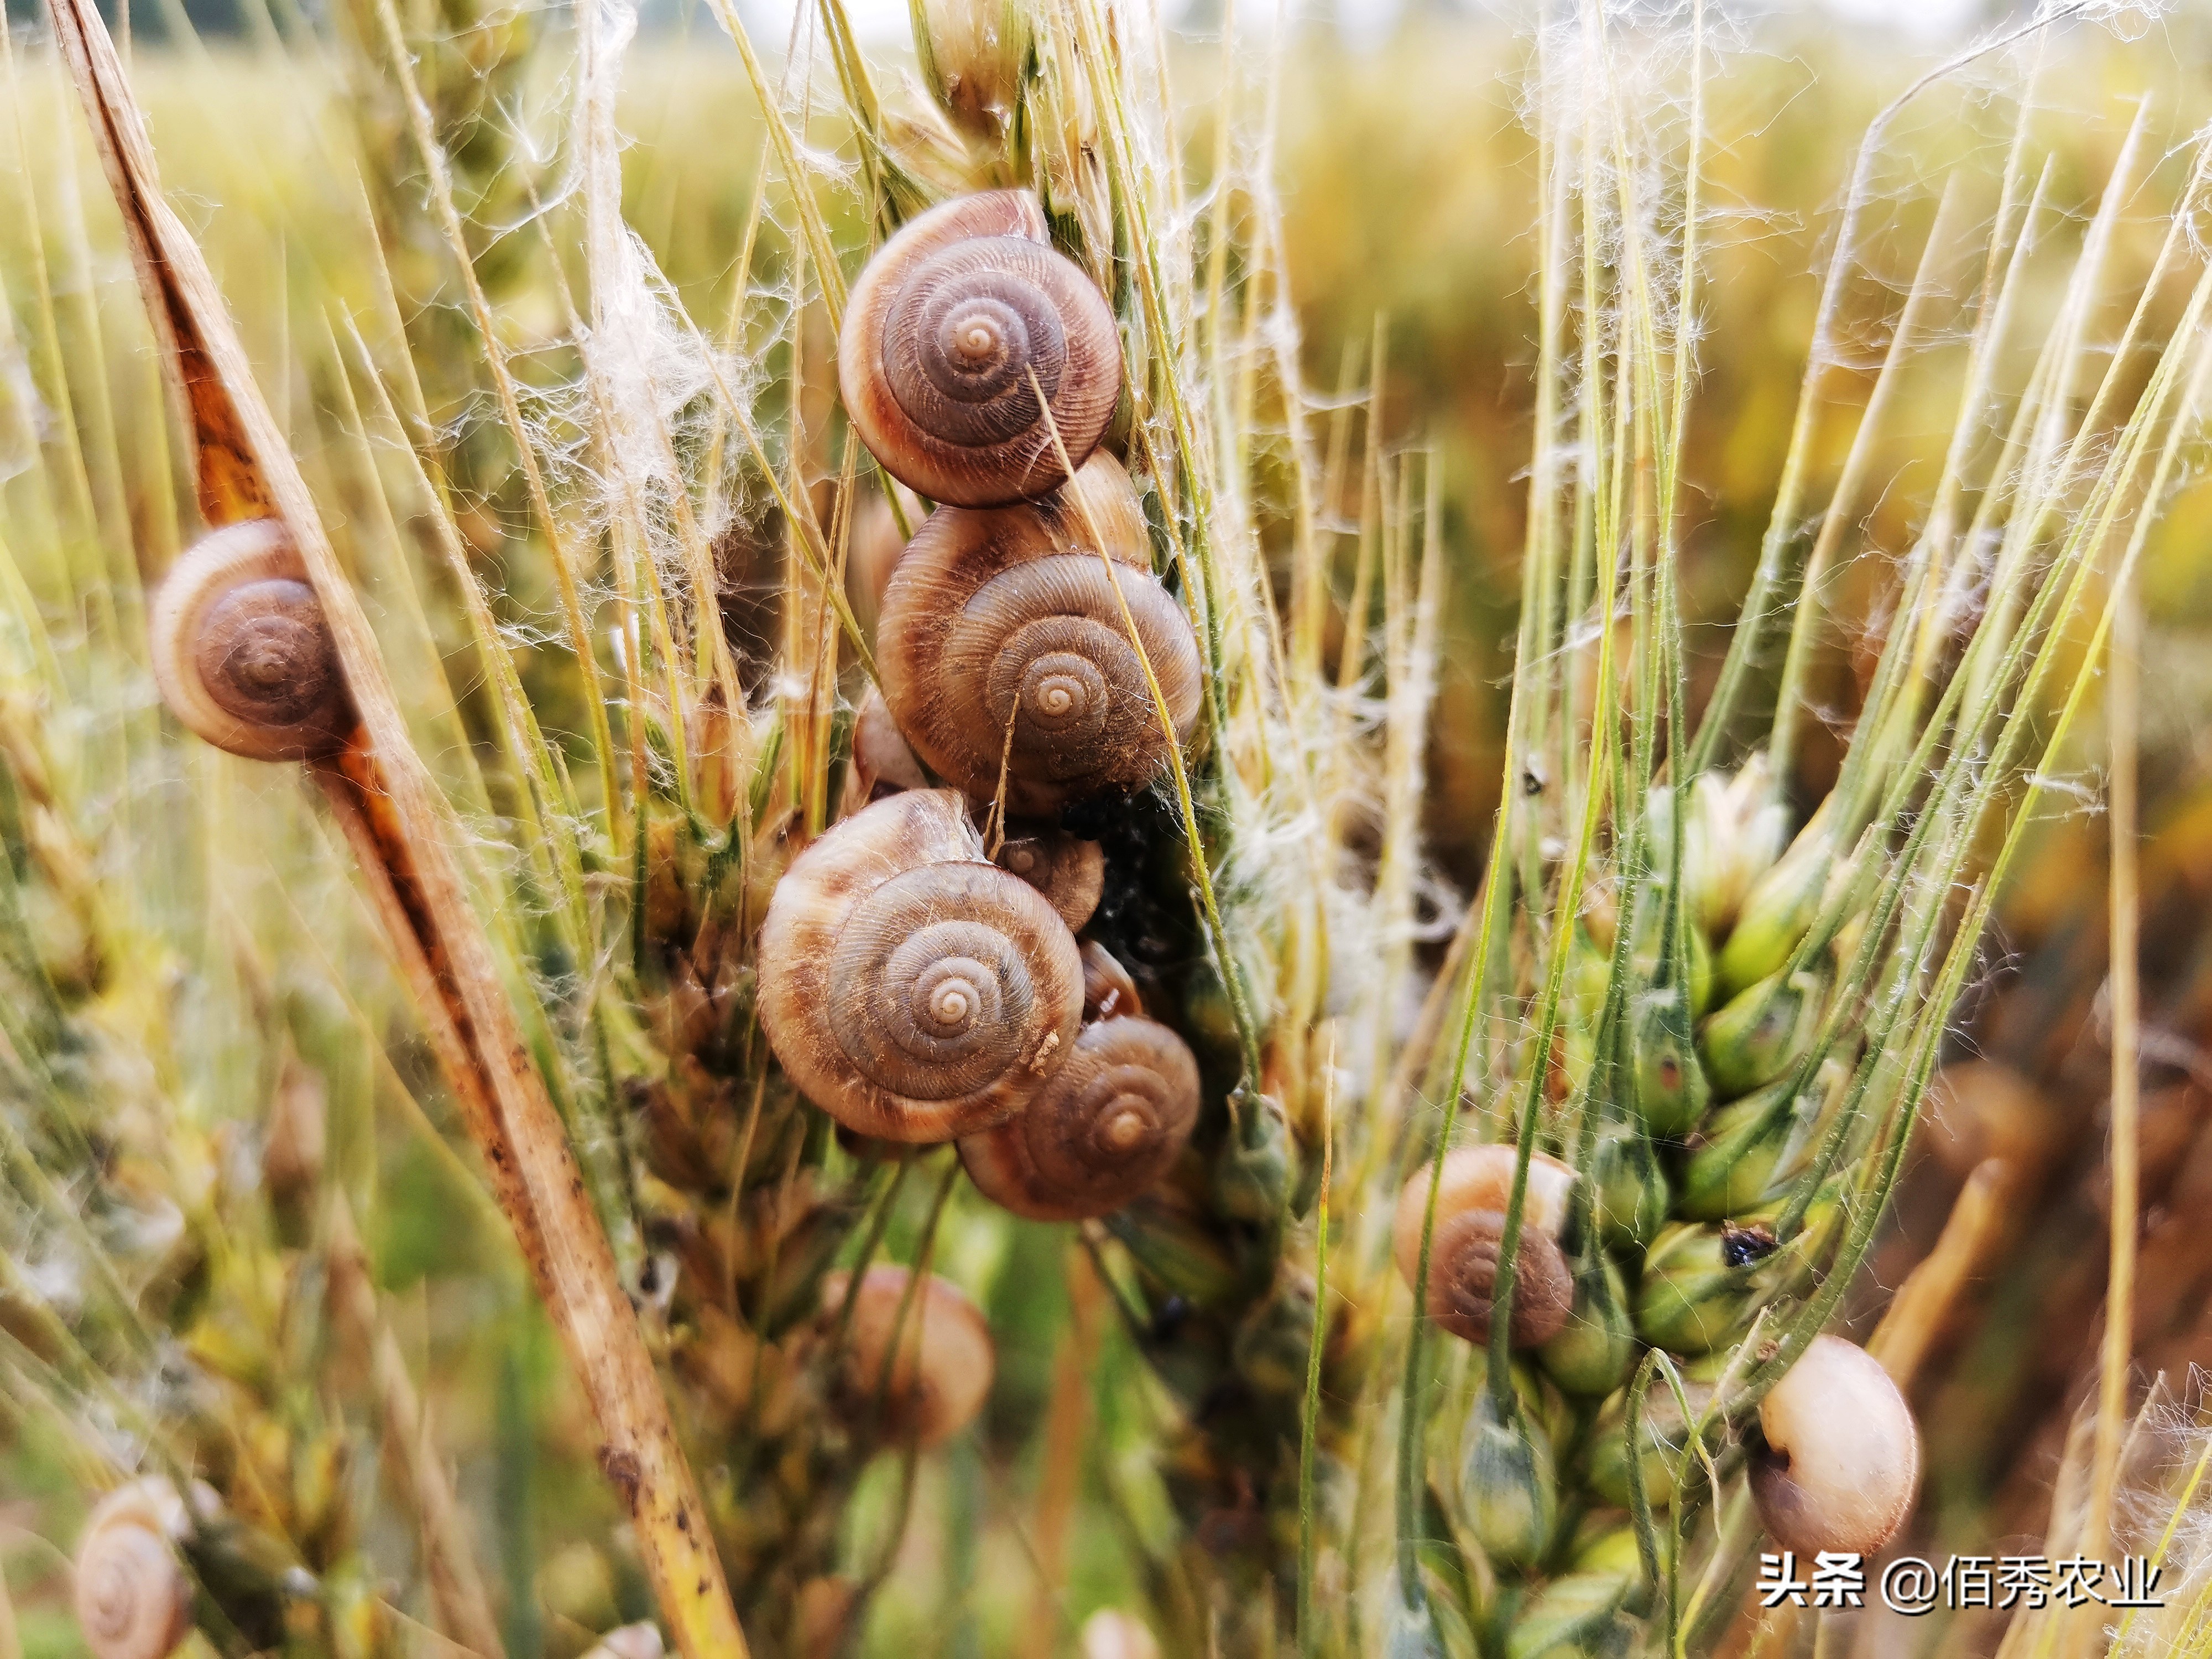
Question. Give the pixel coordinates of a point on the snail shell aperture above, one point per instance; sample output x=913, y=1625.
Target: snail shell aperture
x=1003, y=645
x=134, y=1600
x=912, y=990
x=1106, y=1128
x=944, y=330
x=933, y=1384
x=242, y=651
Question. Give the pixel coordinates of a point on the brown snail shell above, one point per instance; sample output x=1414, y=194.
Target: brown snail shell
x=944, y=1361
x=241, y=651
x=1110, y=1123
x=945, y=328
x=134, y=1599
x=1109, y=993
x=1841, y=1467
x=1462, y=1291
x=1070, y=872
x=882, y=762
x=1471, y=1195
x=912, y=990
x=1003, y=647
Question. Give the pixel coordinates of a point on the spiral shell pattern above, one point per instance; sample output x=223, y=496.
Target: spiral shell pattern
x=910, y=989
x=1110, y=1123
x=1003, y=645
x=1462, y=1289
x=1473, y=1191
x=952, y=329
x=134, y=1600
x=241, y=651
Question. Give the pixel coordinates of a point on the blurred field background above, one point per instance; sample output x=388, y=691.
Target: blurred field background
x=1406, y=177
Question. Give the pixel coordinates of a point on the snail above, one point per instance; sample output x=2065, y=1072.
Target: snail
x=1108, y=990
x=1841, y=1465
x=639, y=1641
x=822, y=1616
x=1004, y=648
x=944, y=330
x=912, y=990
x=873, y=546
x=944, y=1361
x=134, y=1599
x=1110, y=1633
x=882, y=762
x=1070, y=872
x=1106, y=1128
x=242, y=653
x=1471, y=1199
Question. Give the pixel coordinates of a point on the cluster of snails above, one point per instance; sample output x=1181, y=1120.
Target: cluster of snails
x=1664, y=1220
x=917, y=982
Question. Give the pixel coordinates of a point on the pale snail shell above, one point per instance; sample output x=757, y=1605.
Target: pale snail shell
x=942, y=331
x=1476, y=1185
x=1003, y=647
x=242, y=651
x=134, y=1599
x=944, y=1361
x=1110, y=1633
x=911, y=989
x=1110, y=1123
x=1070, y=872
x=639, y=1641
x=1841, y=1463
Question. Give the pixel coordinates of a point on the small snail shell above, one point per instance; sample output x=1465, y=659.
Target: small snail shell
x=822, y=1616
x=1472, y=1196
x=241, y=651
x=641, y=1641
x=873, y=547
x=945, y=1358
x=134, y=1600
x=942, y=331
x=297, y=1135
x=1106, y=1128
x=912, y=990
x=1003, y=646
x=882, y=762
x=1841, y=1464
x=1111, y=1634
x=1109, y=993
x=1070, y=872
